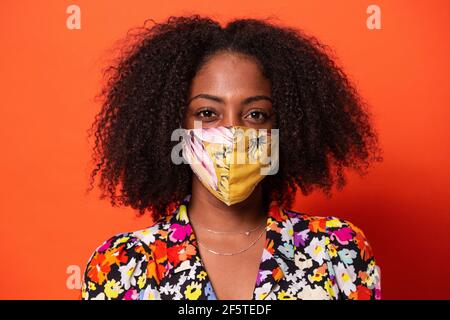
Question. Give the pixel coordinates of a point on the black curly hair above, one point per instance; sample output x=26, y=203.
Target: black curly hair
x=325, y=125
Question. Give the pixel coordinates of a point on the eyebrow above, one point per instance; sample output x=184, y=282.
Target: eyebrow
x=220, y=100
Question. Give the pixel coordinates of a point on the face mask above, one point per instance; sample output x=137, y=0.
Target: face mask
x=231, y=160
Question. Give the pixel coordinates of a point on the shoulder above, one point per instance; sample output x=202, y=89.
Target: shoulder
x=122, y=264
x=356, y=271
x=337, y=231
x=343, y=248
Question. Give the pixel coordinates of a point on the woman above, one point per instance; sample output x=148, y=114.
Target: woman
x=230, y=235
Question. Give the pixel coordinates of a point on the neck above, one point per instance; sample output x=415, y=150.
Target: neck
x=214, y=214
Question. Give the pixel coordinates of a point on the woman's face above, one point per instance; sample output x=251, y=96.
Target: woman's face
x=230, y=90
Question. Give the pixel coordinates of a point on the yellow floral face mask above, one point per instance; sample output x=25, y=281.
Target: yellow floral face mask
x=231, y=160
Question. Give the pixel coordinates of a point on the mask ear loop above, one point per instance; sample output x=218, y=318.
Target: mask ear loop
x=184, y=136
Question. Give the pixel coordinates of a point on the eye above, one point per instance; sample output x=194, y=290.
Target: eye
x=257, y=114
x=205, y=113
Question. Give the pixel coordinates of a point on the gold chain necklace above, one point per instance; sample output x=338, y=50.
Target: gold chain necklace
x=232, y=253
x=227, y=232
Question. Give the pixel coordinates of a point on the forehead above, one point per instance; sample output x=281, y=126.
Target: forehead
x=226, y=73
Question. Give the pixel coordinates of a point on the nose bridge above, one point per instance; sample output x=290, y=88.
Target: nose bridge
x=231, y=115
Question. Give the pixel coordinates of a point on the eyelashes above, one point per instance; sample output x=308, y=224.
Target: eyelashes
x=260, y=115
x=257, y=115
x=205, y=113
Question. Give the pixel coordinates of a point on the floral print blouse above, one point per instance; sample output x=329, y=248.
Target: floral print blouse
x=305, y=257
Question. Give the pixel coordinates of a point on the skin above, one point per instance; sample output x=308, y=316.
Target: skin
x=219, y=96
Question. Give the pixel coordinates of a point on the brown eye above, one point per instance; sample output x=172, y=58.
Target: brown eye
x=257, y=115
x=205, y=114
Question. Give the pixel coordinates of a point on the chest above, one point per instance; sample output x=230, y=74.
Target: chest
x=233, y=277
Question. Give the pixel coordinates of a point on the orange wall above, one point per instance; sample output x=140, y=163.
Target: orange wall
x=49, y=75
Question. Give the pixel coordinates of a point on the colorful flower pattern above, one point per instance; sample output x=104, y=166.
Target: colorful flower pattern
x=305, y=257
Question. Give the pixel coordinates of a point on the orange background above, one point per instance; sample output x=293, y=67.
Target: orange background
x=50, y=74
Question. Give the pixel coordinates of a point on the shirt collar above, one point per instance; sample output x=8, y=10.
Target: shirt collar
x=183, y=254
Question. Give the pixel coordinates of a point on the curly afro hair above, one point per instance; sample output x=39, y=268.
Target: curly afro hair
x=324, y=124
